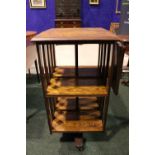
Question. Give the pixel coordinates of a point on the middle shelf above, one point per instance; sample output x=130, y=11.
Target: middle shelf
x=69, y=104
x=76, y=87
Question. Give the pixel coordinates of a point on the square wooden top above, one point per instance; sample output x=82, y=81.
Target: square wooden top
x=124, y=38
x=75, y=34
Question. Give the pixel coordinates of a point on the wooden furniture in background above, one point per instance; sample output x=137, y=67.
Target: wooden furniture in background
x=125, y=41
x=67, y=23
x=29, y=35
x=114, y=27
x=30, y=53
x=67, y=14
x=76, y=98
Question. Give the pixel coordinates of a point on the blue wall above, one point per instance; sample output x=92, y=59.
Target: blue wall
x=99, y=15
x=92, y=16
x=40, y=19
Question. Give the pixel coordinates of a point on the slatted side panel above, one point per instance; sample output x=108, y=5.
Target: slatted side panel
x=118, y=61
x=47, y=61
x=105, y=67
x=47, y=64
x=105, y=62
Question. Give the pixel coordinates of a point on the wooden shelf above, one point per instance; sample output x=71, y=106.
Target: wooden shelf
x=77, y=91
x=70, y=104
x=77, y=115
x=84, y=71
x=76, y=87
x=78, y=126
x=86, y=119
x=70, y=116
x=84, y=124
x=76, y=82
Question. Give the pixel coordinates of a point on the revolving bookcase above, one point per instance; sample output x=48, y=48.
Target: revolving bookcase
x=76, y=98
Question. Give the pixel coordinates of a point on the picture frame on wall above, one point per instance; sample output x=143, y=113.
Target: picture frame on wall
x=118, y=7
x=37, y=4
x=93, y=2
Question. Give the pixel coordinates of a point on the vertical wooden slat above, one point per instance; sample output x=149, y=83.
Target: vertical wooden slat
x=100, y=65
x=45, y=65
x=119, y=56
x=77, y=103
x=76, y=74
x=101, y=106
x=105, y=111
x=55, y=102
x=51, y=106
x=99, y=59
x=111, y=62
x=49, y=64
x=108, y=82
x=103, y=60
x=50, y=115
x=51, y=54
x=102, y=51
x=54, y=58
x=76, y=61
x=48, y=112
x=99, y=55
x=108, y=57
x=37, y=70
x=106, y=60
x=41, y=67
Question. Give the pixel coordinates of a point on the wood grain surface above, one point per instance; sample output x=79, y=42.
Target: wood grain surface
x=74, y=115
x=69, y=103
x=78, y=126
x=77, y=91
x=75, y=34
x=124, y=38
x=85, y=115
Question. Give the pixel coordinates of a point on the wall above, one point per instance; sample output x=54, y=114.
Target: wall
x=40, y=19
x=92, y=16
x=98, y=15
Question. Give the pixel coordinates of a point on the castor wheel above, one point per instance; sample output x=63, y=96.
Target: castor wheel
x=80, y=148
x=125, y=83
x=79, y=143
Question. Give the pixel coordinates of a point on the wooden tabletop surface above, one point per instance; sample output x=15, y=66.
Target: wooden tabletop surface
x=75, y=34
x=124, y=38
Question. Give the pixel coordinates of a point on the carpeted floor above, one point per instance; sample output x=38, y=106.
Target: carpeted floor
x=115, y=141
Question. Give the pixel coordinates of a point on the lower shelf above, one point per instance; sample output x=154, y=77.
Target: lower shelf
x=77, y=121
x=90, y=103
x=62, y=116
x=78, y=126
